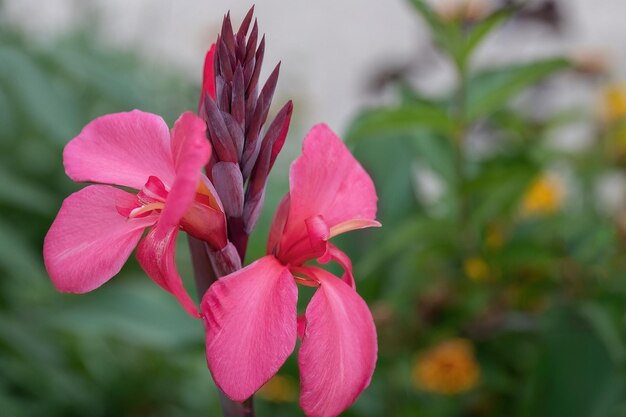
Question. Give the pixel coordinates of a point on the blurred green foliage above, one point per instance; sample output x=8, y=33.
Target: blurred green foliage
x=514, y=253
x=520, y=263
x=126, y=350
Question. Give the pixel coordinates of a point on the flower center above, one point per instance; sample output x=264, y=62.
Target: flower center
x=303, y=277
x=203, y=220
x=138, y=211
x=150, y=198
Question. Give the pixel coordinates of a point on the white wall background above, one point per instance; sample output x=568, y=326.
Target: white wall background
x=324, y=45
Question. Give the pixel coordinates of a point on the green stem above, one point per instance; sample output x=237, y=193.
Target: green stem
x=207, y=267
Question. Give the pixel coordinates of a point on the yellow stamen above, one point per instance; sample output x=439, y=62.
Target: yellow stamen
x=352, y=225
x=145, y=209
x=307, y=282
x=204, y=190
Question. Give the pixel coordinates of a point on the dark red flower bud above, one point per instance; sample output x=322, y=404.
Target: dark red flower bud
x=236, y=112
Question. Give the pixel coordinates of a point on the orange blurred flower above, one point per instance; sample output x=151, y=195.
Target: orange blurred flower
x=544, y=196
x=447, y=368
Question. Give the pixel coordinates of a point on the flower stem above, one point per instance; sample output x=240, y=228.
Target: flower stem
x=207, y=267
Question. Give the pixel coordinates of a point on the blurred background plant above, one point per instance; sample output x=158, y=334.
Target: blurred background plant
x=497, y=231
x=497, y=282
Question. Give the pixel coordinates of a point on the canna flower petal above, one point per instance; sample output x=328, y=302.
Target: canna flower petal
x=338, y=352
x=90, y=240
x=121, y=149
x=326, y=180
x=278, y=225
x=250, y=321
x=337, y=255
x=208, y=76
x=191, y=151
x=327, y=184
x=156, y=253
x=157, y=256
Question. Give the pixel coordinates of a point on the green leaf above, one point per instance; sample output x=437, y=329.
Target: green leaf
x=491, y=89
x=17, y=256
x=104, y=76
x=25, y=195
x=576, y=376
x=484, y=28
x=416, y=229
x=407, y=118
x=135, y=312
x=389, y=163
x=436, y=152
x=7, y=118
x=499, y=186
x=48, y=106
x=430, y=16
x=606, y=328
x=447, y=35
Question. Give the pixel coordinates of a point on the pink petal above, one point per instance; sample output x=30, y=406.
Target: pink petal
x=191, y=151
x=208, y=76
x=326, y=181
x=250, y=321
x=297, y=252
x=333, y=253
x=338, y=353
x=319, y=233
x=353, y=224
x=278, y=225
x=90, y=240
x=156, y=255
x=207, y=224
x=301, y=326
x=313, y=244
x=123, y=149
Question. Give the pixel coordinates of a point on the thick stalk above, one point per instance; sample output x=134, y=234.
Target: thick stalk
x=238, y=236
x=207, y=267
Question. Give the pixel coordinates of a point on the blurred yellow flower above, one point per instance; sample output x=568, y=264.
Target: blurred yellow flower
x=447, y=368
x=477, y=269
x=614, y=103
x=544, y=196
x=279, y=389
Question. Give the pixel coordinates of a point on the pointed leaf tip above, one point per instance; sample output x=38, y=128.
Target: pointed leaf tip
x=245, y=23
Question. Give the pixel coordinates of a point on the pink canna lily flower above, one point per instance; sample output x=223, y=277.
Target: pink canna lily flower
x=98, y=227
x=251, y=315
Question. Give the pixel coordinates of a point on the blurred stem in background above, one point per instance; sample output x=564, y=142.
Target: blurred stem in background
x=461, y=127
